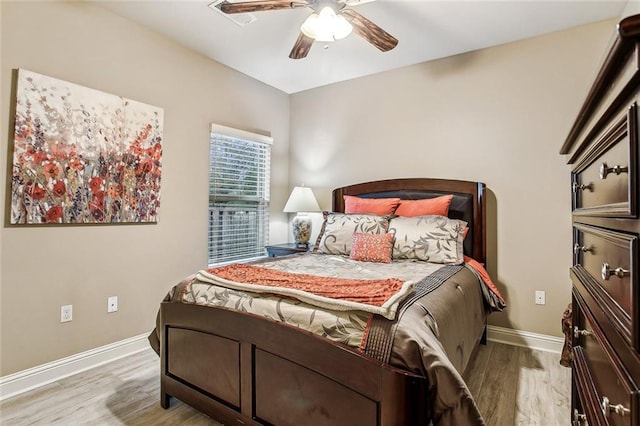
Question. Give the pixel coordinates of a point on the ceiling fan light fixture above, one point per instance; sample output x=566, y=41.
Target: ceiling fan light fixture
x=341, y=27
x=326, y=26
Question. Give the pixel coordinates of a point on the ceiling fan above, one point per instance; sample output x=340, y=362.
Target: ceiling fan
x=330, y=21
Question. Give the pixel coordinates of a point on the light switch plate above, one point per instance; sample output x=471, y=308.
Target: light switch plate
x=112, y=304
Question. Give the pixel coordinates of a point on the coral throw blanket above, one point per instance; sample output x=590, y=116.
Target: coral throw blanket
x=375, y=296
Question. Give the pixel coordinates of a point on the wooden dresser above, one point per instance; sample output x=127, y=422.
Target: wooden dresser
x=602, y=149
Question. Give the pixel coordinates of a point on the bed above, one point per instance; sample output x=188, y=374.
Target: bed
x=243, y=368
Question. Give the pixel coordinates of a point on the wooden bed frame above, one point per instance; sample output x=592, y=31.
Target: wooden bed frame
x=244, y=369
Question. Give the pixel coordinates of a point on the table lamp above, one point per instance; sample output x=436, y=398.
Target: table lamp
x=301, y=201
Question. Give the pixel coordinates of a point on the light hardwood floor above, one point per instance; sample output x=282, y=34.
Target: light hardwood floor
x=512, y=386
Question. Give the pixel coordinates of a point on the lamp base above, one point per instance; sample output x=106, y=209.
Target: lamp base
x=301, y=230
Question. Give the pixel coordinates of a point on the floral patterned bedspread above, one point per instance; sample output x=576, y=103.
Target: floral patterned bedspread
x=342, y=326
x=382, y=297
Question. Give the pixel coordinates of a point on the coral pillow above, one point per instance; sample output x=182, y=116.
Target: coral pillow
x=372, y=247
x=379, y=206
x=430, y=206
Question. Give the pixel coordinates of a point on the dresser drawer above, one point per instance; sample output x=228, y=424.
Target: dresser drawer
x=603, y=385
x=610, y=261
x=609, y=258
x=605, y=179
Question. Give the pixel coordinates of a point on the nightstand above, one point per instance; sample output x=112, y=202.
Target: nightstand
x=285, y=249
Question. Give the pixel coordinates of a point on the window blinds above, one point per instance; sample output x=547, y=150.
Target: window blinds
x=239, y=171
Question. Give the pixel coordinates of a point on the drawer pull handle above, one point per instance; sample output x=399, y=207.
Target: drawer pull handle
x=578, y=418
x=577, y=248
x=577, y=332
x=619, y=409
x=618, y=272
x=581, y=187
x=605, y=170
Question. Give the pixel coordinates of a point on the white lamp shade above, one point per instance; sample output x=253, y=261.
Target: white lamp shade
x=301, y=200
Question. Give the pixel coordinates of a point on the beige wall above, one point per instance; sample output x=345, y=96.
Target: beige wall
x=498, y=116
x=43, y=268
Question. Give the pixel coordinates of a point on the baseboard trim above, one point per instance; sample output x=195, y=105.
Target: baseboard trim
x=32, y=378
x=509, y=336
x=26, y=380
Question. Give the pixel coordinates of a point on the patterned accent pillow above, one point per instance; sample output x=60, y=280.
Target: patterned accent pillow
x=338, y=229
x=372, y=247
x=436, y=239
x=325, y=215
x=379, y=206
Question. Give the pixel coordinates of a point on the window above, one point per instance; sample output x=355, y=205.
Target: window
x=239, y=169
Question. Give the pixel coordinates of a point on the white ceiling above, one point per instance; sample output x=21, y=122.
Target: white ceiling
x=426, y=30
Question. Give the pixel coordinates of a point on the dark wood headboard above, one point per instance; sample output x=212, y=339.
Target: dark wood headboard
x=468, y=203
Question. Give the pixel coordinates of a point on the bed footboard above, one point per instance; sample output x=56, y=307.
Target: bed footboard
x=244, y=369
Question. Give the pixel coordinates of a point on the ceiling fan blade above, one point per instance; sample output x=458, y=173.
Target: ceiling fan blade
x=258, y=6
x=302, y=47
x=370, y=31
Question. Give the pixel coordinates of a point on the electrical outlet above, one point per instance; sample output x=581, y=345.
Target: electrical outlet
x=66, y=313
x=112, y=304
x=540, y=297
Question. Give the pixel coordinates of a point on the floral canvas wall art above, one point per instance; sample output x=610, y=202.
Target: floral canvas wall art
x=82, y=155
